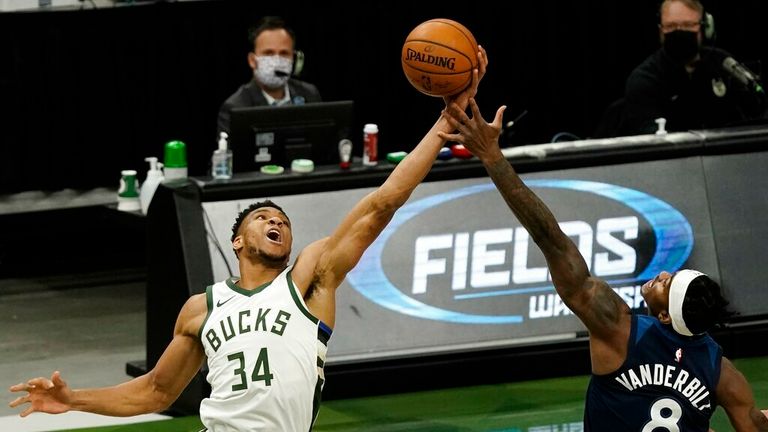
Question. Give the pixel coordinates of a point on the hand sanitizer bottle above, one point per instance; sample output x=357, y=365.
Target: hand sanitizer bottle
x=221, y=161
x=154, y=177
x=128, y=194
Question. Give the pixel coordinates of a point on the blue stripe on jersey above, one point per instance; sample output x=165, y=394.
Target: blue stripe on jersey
x=323, y=332
x=714, y=350
x=326, y=329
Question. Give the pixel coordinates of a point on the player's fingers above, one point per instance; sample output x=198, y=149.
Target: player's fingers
x=475, y=80
x=499, y=117
x=57, y=380
x=27, y=411
x=451, y=119
x=459, y=138
x=18, y=387
x=482, y=58
x=40, y=382
x=475, y=110
x=18, y=401
x=454, y=123
x=459, y=114
x=454, y=116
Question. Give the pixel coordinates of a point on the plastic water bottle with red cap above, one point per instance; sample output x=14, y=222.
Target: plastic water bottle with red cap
x=370, y=144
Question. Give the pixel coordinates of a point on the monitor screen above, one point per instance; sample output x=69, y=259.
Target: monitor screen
x=266, y=135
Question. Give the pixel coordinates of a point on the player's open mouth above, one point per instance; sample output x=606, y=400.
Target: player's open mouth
x=274, y=235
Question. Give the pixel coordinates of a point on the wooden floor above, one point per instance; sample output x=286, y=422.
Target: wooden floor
x=85, y=325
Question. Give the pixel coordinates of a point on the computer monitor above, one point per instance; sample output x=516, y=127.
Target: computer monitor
x=266, y=135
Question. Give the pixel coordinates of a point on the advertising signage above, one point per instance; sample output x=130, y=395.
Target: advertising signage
x=455, y=270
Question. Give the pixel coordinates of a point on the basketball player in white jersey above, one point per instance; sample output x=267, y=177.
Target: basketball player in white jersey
x=264, y=334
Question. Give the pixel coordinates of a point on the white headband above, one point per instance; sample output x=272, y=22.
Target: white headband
x=677, y=291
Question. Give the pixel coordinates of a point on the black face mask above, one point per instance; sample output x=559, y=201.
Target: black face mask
x=681, y=46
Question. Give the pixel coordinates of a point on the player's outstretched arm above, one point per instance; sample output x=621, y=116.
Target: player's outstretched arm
x=339, y=253
x=735, y=396
x=152, y=392
x=591, y=299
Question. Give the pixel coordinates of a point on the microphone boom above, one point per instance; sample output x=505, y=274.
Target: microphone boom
x=742, y=74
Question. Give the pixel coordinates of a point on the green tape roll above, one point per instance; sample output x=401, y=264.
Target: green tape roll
x=396, y=157
x=302, y=165
x=272, y=169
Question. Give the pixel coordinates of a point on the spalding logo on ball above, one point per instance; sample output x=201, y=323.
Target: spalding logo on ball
x=438, y=57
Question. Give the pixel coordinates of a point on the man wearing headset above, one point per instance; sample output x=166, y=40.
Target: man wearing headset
x=273, y=60
x=686, y=82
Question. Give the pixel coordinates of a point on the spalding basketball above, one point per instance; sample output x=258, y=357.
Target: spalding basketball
x=438, y=57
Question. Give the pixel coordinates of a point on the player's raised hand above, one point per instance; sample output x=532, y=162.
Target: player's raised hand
x=480, y=138
x=51, y=396
x=462, y=99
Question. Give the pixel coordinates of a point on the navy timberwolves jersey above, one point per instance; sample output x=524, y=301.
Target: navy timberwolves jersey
x=667, y=383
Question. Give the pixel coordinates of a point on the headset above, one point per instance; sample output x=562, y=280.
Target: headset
x=707, y=23
x=298, y=62
x=708, y=26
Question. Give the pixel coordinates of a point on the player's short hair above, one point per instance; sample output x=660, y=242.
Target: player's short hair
x=248, y=210
x=704, y=306
x=268, y=23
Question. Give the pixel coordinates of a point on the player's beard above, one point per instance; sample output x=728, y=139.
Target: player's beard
x=272, y=260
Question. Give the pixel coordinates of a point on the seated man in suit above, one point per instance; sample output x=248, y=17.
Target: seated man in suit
x=272, y=61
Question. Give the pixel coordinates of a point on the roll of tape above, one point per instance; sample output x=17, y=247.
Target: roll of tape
x=272, y=169
x=396, y=157
x=445, y=154
x=302, y=166
x=460, y=152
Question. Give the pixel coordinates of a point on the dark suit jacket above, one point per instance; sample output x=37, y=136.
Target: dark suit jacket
x=707, y=98
x=249, y=95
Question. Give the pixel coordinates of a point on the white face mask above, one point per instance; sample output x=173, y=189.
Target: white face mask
x=273, y=71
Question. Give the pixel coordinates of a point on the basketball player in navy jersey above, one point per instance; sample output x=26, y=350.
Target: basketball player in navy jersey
x=653, y=373
x=263, y=333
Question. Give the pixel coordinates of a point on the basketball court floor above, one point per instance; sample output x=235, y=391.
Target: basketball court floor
x=89, y=325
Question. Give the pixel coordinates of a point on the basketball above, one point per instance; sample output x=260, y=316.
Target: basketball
x=438, y=57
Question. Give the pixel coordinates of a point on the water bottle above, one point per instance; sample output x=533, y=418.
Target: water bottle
x=370, y=144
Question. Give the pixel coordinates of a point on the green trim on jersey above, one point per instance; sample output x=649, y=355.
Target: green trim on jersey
x=297, y=298
x=317, y=400
x=248, y=293
x=209, y=306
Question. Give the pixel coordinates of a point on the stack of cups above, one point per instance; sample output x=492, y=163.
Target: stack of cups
x=175, y=160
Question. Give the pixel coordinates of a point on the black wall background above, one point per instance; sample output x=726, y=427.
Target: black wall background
x=86, y=93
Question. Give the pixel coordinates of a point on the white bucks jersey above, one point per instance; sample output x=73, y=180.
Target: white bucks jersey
x=266, y=354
